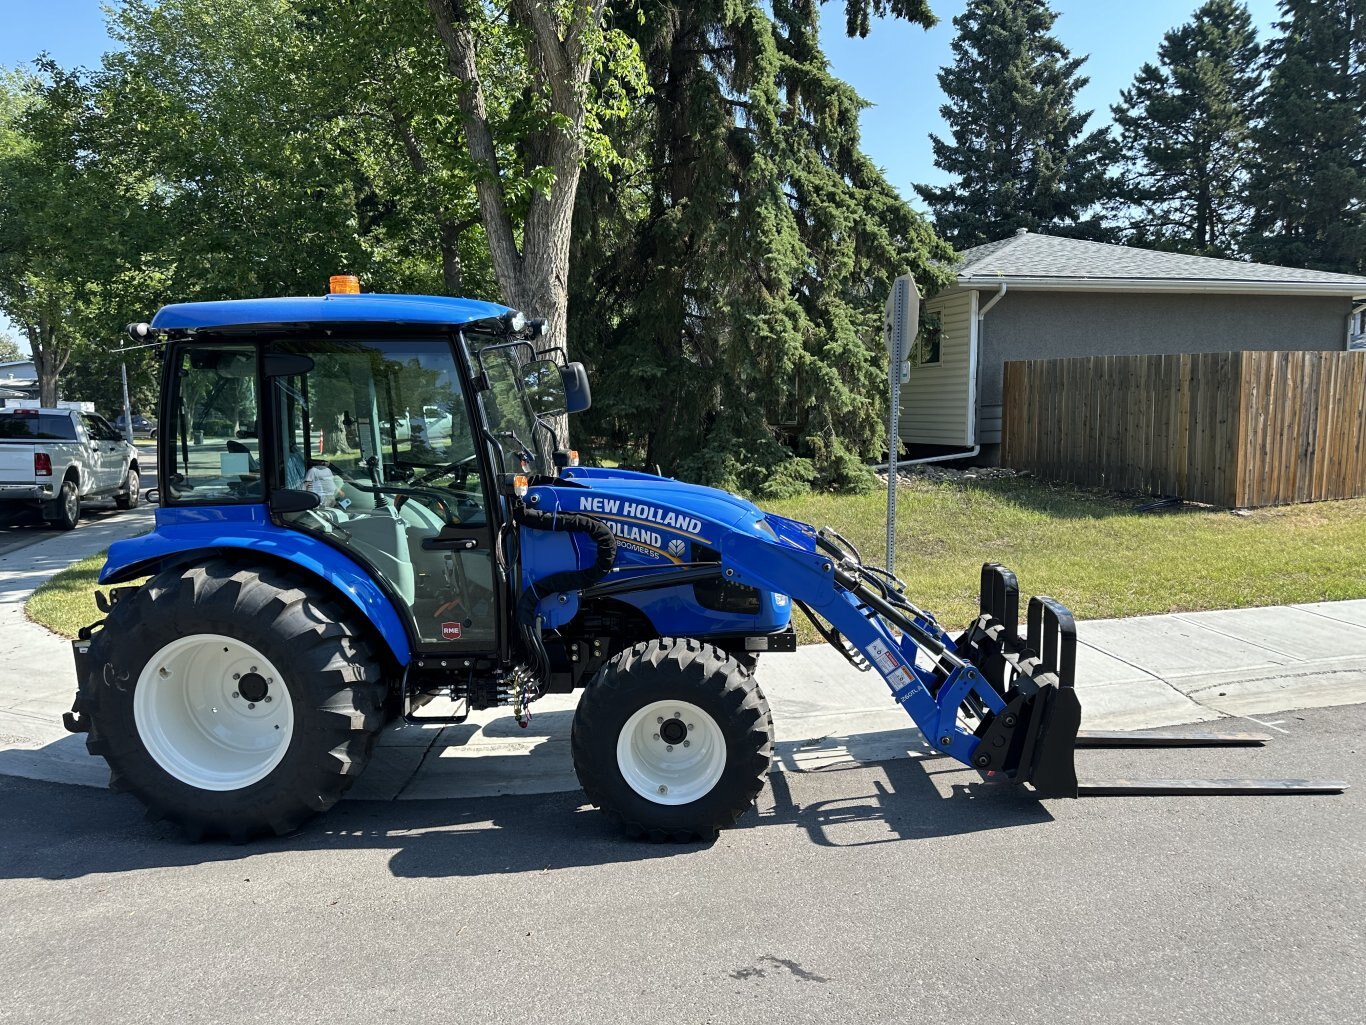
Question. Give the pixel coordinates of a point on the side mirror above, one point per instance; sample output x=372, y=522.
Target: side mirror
x=577, y=395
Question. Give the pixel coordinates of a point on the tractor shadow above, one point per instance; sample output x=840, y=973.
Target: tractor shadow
x=55, y=831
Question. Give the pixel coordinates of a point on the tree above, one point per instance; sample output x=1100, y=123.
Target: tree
x=728, y=291
x=66, y=228
x=289, y=144
x=1185, y=132
x=1308, y=182
x=528, y=184
x=9, y=349
x=1019, y=154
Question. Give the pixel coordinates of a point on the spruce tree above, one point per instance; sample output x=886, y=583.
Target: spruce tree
x=729, y=292
x=1020, y=153
x=1185, y=131
x=1308, y=184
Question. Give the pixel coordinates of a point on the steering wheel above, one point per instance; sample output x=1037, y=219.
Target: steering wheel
x=436, y=505
x=444, y=471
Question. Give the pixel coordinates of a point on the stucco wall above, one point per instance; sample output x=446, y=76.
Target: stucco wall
x=1056, y=325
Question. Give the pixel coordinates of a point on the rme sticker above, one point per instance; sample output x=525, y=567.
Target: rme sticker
x=883, y=658
x=640, y=511
x=450, y=631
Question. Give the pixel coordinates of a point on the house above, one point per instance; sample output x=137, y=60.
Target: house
x=1037, y=296
x=18, y=380
x=18, y=369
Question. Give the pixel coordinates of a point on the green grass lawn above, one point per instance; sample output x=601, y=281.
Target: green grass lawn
x=1094, y=553
x=67, y=602
x=1091, y=551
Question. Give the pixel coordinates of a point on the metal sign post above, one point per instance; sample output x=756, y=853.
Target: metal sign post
x=902, y=322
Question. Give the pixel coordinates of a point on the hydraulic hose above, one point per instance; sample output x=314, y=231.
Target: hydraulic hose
x=565, y=580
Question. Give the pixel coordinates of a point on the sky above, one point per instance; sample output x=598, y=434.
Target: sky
x=893, y=69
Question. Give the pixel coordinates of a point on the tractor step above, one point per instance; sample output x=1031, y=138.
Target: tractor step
x=1206, y=787
x=1162, y=738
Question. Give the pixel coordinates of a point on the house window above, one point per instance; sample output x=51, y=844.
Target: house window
x=925, y=349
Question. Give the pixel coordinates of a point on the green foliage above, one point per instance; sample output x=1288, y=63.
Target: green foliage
x=1185, y=131
x=728, y=293
x=1019, y=153
x=9, y=349
x=290, y=144
x=70, y=231
x=1308, y=183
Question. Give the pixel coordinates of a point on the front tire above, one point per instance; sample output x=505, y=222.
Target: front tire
x=673, y=740
x=232, y=701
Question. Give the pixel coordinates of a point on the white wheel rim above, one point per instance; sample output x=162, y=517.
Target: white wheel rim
x=195, y=715
x=674, y=773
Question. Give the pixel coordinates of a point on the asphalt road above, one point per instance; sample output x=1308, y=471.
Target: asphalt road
x=897, y=892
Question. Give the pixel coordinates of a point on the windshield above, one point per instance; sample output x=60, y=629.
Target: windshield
x=508, y=409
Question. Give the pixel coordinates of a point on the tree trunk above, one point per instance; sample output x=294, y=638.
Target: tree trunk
x=47, y=362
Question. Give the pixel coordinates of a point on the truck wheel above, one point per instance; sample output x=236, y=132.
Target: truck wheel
x=65, y=511
x=130, y=496
x=673, y=739
x=232, y=701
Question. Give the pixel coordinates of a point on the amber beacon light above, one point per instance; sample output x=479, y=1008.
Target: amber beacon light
x=343, y=284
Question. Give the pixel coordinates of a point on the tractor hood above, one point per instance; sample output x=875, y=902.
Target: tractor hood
x=660, y=525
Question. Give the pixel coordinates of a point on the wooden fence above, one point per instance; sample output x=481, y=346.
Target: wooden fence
x=1235, y=429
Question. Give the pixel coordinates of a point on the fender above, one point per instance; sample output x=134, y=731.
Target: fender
x=207, y=530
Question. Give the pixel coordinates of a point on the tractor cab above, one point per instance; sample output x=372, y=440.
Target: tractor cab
x=386, y=443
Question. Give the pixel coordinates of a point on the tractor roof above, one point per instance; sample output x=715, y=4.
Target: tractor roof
x=326, y=309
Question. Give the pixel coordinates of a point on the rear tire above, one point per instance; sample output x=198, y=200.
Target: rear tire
x=129, y=498
x=65, y=511
x=673, y=740
x=177, y=696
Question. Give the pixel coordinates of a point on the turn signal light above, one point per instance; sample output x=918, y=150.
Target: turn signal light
x=42, y=464
x=520, y=485
x=343, y=284
x=573, y=457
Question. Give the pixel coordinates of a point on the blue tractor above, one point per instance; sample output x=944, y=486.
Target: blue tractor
x=364, y=507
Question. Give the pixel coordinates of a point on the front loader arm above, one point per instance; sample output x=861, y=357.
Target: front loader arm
x=994, y=701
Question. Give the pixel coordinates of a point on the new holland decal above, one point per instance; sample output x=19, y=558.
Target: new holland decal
x=634, y=525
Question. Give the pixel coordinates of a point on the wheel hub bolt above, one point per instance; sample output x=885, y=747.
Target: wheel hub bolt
x=251, y=704
x=687, y=743
x=668, y=747
x=663, y=789
x=269, y=699
x=236, y=695
x=656, y=736
x=163, y=673
x=237, y=676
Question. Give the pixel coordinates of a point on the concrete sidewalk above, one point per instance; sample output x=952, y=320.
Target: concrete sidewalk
x=1133, y=674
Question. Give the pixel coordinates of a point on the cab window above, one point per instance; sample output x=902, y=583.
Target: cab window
x=212, y=455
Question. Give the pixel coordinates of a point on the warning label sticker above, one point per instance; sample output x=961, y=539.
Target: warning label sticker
x=883, y=659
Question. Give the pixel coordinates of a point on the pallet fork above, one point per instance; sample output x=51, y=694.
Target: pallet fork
x=1043, y=664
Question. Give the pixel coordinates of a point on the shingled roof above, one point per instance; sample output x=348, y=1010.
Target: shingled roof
x=1048, y=261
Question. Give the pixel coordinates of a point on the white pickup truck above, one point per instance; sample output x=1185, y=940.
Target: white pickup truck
x=58, y=459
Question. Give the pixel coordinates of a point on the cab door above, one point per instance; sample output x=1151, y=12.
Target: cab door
x=411, y=506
